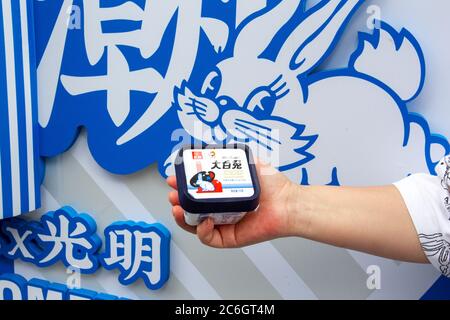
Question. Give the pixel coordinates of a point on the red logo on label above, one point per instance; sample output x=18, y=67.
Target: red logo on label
x=197, y=155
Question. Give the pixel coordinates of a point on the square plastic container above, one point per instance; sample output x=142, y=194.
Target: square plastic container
x=217, y=181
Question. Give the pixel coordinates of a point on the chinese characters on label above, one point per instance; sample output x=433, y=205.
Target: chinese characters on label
x=227, y=165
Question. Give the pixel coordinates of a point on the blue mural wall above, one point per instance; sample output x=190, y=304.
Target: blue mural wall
x=122, y=84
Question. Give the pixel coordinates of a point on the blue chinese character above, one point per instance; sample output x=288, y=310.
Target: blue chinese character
x=138, y=250
x=69, y=237
x=116, y=73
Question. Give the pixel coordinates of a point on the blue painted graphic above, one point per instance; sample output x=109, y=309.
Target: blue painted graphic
x=20, y=168
x=109, y=77
x=16, y=287
x=439, y=291
x=138, y=250
x=70, y=237
x=145, y=80
x=62, y=235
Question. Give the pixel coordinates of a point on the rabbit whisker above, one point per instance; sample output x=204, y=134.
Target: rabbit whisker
x=277, y=80
x=194, y=114
x=258, y=133
x=253, y=138
x=195, y=106
x=195, y=101
x=282, y=95
x=276, y=90
x=200, y=108
x=252, y=124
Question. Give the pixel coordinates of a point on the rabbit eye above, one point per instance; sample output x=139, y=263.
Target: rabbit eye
x=212, y=83
x=261, y=101
x=226, y=102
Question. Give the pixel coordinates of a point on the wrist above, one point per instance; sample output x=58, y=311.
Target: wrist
x=299, y=211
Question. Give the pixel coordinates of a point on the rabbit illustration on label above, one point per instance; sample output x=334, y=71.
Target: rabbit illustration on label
x=346, y=126
x=205, y=182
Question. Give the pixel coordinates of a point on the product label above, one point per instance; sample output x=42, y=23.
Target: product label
x=218, y=173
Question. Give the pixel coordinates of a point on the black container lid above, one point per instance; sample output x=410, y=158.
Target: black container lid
x=216, y=205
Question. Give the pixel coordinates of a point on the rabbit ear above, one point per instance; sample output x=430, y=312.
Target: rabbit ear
x=313, y=39
x=257, y=34
x=193, y=181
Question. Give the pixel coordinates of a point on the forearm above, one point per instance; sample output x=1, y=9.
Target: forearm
x=372, y=220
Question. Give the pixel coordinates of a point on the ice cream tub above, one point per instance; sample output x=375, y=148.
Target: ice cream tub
x=217, y=181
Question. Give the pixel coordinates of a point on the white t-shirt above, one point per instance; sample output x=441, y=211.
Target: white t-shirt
x=428, y=200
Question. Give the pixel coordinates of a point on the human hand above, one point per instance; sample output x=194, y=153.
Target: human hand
x=269, y=221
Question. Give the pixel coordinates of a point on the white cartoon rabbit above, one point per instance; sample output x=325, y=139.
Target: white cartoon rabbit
x=204, y=180
x=348, y=126
x=205, y=185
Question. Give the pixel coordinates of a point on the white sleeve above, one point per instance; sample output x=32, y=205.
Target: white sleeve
x=427, y=199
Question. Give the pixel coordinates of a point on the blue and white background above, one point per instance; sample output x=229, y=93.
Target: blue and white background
x=20, y=168
x=125, y=83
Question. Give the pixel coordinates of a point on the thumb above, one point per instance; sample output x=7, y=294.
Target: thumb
x=208, y=235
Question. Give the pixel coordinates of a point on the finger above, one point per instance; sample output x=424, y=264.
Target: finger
x=173, y=198
x=252, y=221
x=178, y=214
x=209, y=235
x=264, y=169
x=172, y=182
